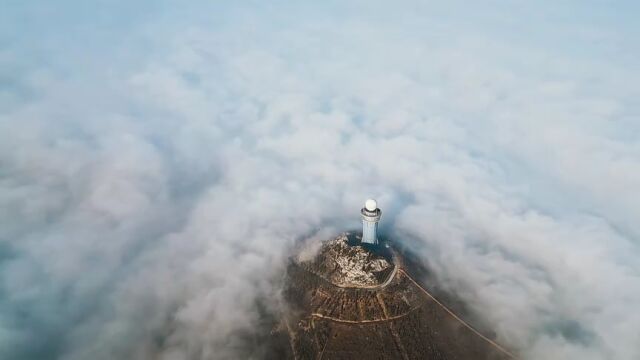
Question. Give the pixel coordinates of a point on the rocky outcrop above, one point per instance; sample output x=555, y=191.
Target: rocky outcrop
x=348, y=265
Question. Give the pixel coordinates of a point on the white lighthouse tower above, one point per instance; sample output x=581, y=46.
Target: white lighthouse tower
x=370, y=217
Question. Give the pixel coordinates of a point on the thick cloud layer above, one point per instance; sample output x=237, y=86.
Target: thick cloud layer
x=158, y=161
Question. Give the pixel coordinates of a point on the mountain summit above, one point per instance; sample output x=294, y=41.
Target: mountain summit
x=357, y=302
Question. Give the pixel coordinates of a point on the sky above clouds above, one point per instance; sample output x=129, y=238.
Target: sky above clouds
x=158, y=161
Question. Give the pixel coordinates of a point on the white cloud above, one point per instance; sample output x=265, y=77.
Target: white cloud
x=149, y=198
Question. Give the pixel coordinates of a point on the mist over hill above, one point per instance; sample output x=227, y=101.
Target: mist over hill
x=158, y=163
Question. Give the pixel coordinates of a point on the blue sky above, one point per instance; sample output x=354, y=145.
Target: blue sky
x=147, y=149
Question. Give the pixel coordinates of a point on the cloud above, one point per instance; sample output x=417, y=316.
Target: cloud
x=157, y=168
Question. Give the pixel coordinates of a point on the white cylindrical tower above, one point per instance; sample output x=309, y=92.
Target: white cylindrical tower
x=370, y=217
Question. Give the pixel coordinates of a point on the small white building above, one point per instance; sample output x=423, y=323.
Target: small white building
x=370, y=217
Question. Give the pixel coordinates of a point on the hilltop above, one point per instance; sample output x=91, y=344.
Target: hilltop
x=355, y=302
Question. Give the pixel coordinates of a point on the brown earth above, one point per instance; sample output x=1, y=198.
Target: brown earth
x=396, y=318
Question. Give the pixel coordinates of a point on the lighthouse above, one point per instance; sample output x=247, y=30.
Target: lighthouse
x=370, y=217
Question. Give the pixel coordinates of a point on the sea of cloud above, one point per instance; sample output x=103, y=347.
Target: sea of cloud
x=159, y=161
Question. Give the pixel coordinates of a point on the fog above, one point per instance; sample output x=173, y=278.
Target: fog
x=159, y=161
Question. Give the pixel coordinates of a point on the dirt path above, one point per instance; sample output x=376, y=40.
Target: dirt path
x=424, y=291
